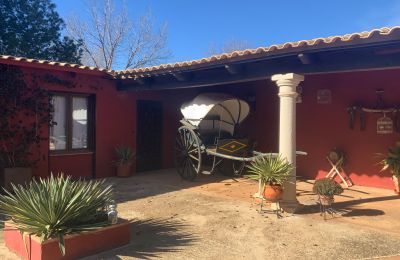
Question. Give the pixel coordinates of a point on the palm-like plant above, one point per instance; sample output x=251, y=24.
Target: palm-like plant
x=392, y=160
x=124, y=154
x=270, y=169
x=57, y=206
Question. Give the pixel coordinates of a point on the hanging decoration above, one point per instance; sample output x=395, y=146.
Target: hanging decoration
x=384, y=125
x=387, y=124
x=324, y=96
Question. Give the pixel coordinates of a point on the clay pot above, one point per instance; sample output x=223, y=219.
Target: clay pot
x=273, y=193
x=396, y=184
x=326, y=201
x=124, y=170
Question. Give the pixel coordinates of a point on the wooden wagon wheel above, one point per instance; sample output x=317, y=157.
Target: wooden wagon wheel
x=231, y=167
x=187, y=153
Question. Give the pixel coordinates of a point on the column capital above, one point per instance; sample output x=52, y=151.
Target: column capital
x=287, y=84
x=288, y=78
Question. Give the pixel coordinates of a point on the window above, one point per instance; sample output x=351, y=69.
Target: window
x=71, y=128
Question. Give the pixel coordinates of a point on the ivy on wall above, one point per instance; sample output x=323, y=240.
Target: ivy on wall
x=49, y=78
x=24, y=111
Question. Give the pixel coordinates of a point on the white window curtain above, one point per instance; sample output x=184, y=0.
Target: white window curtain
x=58, y=138
x=79, y=122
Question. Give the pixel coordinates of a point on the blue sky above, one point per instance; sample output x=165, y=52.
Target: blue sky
x=195, y=26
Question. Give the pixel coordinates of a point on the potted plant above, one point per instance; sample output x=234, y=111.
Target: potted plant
x=392, y=162
x=125, y=156
x=60, y=218
x=272, y=171
x=326, y=189
x=17, y=137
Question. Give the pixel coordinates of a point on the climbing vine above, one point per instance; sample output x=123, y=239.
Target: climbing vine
x=24, y=111
x=49, y=78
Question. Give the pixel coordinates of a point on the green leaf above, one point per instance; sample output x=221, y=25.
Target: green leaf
x=270, y=169
x=57, y=206
x=61, y=244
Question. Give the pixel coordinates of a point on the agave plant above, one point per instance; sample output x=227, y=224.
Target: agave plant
x=57, y=206
x=124, y=154
x=392, y=160
x=270, y=169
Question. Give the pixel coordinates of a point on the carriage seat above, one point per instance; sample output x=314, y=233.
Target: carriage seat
x=209, y=136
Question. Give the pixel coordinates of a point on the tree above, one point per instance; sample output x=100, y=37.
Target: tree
x=32, y=28
x=111, y=39
x=229, y=46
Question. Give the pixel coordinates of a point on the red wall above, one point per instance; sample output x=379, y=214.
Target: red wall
x=322, y=127
x=319, y=127
x=113, y=124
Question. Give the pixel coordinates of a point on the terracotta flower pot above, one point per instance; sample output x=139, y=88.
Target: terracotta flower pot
x=396, y=184
x=124, y=170
x=273, y=193
x=326, y=201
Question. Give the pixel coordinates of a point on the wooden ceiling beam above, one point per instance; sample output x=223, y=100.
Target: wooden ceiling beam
x=181, y=76
x=234, y=69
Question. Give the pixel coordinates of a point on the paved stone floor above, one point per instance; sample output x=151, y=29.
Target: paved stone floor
x=217, y=218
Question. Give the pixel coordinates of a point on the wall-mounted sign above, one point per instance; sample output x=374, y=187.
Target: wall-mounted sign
x=384, y=125
x=324, y=96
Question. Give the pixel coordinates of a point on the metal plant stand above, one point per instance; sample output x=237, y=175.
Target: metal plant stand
x=278, y=210
x=326, y=208
x=336, y=160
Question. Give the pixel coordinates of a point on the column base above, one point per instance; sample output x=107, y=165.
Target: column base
x=291, y=206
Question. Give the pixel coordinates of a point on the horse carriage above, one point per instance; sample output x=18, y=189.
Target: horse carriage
x=210, y=131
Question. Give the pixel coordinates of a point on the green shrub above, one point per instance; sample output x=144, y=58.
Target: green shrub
x=57, y=206
x=327, y=187
x=124, y=154
x=392, y=160
x=270, y=169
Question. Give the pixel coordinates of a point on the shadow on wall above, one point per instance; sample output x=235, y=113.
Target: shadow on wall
x=151, y=237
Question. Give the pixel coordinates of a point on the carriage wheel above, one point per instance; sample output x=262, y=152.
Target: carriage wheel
x=231, y=167
x=187, y=153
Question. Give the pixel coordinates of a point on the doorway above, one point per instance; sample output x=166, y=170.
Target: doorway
x=149, y=135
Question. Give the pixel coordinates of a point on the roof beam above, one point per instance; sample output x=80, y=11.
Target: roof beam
x=234, y=69
x=327, y=63
x=181, y=76
x=304, y=58
x=141, y=80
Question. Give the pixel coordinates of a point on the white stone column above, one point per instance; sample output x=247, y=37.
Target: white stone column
x=287, y=84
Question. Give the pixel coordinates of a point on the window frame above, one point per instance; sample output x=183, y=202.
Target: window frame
x=69, y=123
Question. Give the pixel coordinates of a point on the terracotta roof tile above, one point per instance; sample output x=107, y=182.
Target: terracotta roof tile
x=54, y=63
x=383, y=32
x=270, y=49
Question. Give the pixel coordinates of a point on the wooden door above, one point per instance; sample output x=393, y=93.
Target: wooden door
x=149, y=135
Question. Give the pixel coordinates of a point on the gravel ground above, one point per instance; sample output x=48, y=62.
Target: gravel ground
x=187, y=224
x=181, y=222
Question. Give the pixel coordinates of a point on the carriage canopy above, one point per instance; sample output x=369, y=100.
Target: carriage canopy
x=205, y=109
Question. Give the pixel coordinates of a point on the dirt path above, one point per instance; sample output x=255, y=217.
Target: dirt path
x=175, y=222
